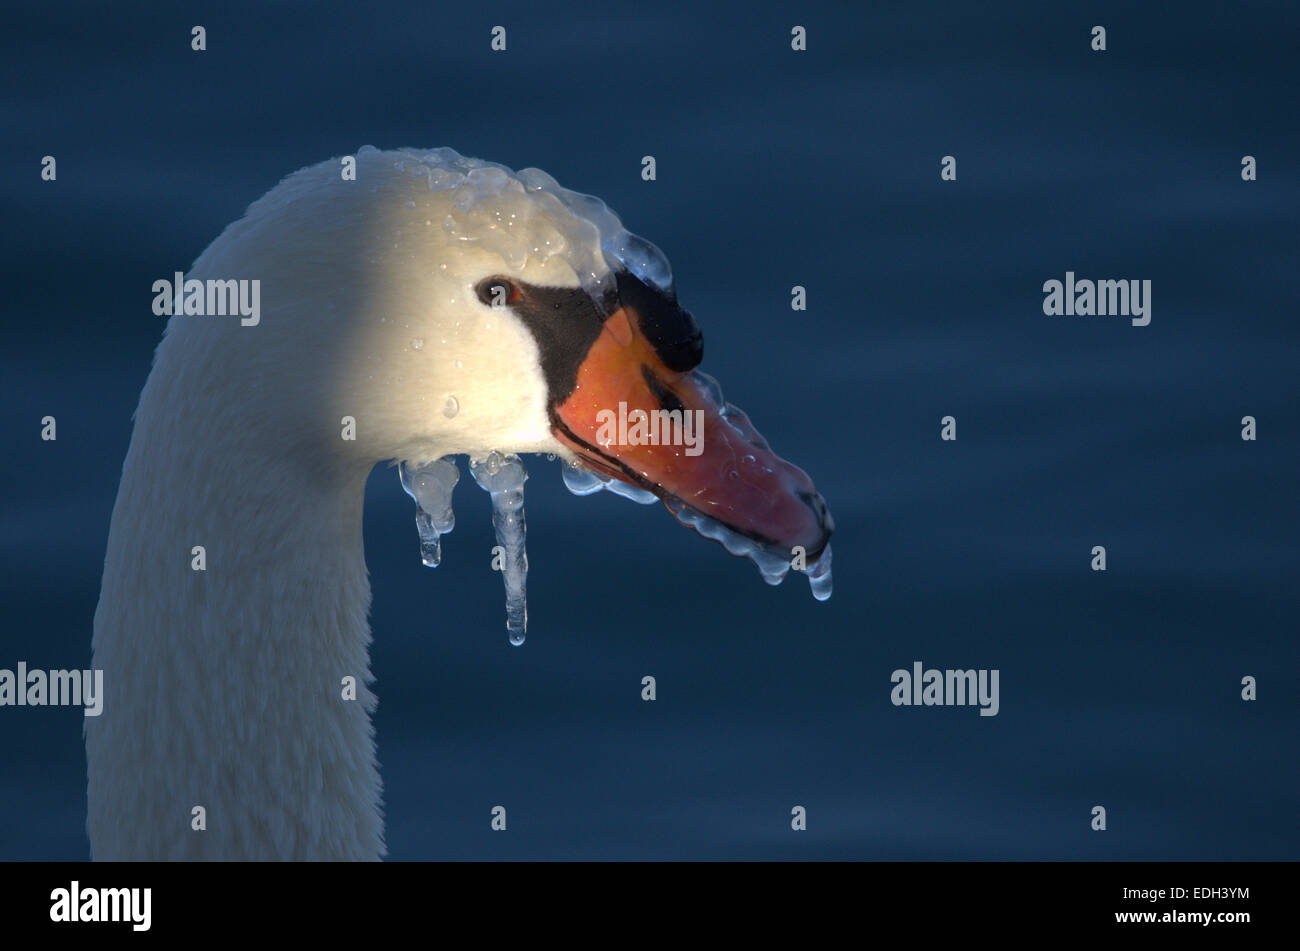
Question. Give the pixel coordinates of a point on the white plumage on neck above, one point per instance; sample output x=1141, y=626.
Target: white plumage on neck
x=223, y=688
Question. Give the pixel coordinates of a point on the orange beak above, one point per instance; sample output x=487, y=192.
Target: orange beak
x=669, y=432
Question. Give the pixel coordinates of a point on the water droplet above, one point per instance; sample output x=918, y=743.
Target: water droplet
x=451, y=407
x=417, y=343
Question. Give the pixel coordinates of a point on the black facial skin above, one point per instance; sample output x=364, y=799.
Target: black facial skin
x=565, y=322
x=669, y=327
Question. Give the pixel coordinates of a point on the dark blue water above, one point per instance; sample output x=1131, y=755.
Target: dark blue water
x=774, y=168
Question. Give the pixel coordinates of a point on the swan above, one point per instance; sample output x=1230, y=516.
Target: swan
x=445, y=306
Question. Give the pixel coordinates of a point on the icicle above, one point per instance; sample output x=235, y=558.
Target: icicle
x=431, y=486
x=579, y=481
x=639, y=496
x=582, y=481
x=502, y=477
x=819, y=575
x=772, y=566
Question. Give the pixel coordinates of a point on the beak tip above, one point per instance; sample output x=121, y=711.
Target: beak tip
x=825, y=521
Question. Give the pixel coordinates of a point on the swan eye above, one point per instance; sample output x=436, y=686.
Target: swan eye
x=498, y=292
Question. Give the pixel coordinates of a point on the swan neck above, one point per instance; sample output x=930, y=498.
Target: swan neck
x=232, y=633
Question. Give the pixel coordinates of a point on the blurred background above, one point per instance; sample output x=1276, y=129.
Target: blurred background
x=775, y=168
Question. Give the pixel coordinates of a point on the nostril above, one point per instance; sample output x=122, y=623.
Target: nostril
x=667, y=398
x=815, y=502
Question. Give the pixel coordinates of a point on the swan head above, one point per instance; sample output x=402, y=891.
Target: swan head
x=489, y=309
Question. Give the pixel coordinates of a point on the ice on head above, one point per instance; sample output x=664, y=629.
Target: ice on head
x=524, y=217
x=521, y=217
x=527, y=215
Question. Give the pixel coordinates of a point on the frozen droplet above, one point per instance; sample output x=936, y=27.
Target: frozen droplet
x=535, y=180
x=503, y=477
x=712, y=388
x=410, y=203
x=431, y=486
x=640, y=257
x=579, y=481
x=417, y=343
x=819, y=575
x=488, y=180
x=733, y=541
x=637, y=495
x=451, y=407
x=772, y=565
x=528, y=215
x=582, y=481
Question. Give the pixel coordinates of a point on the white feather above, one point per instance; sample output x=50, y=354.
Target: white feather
x=223, y=687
